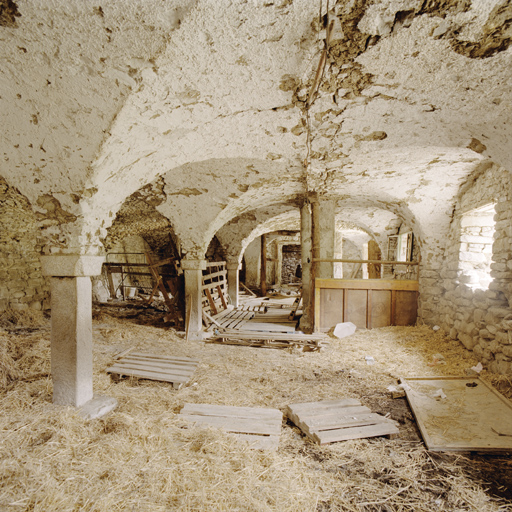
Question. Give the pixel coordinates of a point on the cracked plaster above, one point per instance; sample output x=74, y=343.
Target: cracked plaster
x=101, y=100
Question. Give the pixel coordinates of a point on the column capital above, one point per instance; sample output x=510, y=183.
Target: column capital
x=232, y=265
x=71, y=265
x=193, y=264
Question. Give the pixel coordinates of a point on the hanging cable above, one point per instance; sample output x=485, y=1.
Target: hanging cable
x=313, y=92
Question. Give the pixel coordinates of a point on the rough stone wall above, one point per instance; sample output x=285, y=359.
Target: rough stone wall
x=480, y=319
x=139, y=217
x=275, y=243
x=215, y=251
x=291, y=258
x=22, y=285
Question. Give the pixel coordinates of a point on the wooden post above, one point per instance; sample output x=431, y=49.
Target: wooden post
x=374, y=253
x=263, y=274
x=307, y=319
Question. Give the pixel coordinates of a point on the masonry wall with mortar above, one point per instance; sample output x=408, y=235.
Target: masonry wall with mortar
x=291, y=259
x=480, y=319
x=22, y=285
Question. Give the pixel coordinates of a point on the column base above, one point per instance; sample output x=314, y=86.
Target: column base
x=97, y=407
x=199, y=336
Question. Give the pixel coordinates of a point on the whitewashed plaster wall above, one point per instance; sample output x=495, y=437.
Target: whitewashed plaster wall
x=205, y=108
x=252, y=257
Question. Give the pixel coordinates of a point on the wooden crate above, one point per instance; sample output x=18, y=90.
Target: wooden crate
x=176, y=370
x=331, y=421
x=260, y=427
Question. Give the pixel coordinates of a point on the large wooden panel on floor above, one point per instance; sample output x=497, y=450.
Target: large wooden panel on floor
x=460, y=414
x=368, y=303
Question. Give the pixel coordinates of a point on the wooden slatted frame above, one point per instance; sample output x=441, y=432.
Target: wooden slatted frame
x=175, y=370
x=214, y=287
x=338, y=420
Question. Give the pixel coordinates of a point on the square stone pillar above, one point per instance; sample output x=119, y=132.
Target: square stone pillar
x=233, y=284
x=193, y=272
x=71, y=325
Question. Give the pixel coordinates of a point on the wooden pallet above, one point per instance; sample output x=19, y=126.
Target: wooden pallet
x=259, y=427
x=338, y=420
x=258, y=309
x=234, y=319
x=176, y=370
x=310, y=342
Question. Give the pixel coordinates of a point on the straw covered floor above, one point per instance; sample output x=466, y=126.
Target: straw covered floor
x=142, y=457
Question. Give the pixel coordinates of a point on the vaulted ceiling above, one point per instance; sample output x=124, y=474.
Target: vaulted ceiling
x=215, y=111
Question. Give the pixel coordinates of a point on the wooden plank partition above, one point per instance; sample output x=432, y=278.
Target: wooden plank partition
x=368, y=303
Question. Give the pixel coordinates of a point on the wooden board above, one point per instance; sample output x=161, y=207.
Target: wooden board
x=288, y=327
x=338, y=420
x=406, y=307
x=355, y=307
x=368, y=303
x=260, y=427
x=176, y=370
x=232, y=318
x=472, y=417
x=331, y=307
x=379, y=308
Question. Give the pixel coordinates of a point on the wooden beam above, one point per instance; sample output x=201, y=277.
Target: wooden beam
x=247, y=289
x=213, y=307
x=365, y=284
x=384, y=262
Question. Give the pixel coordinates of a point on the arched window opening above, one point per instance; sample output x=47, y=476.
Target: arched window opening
x=475, y=257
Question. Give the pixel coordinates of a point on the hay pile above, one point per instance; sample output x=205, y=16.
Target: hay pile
x=8, y=370
x=141, y=458
x=17, y=354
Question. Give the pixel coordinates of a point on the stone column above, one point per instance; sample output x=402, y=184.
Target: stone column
x=71, y=325
x=193, y=271
x=307, y=319
x=233, y=284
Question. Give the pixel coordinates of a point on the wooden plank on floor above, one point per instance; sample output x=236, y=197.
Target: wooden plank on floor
x=324, y=405
x=238, y=323
x=344, y=434
x=128, y=366
x=337, y=417
x=159, y=362
x=331, y=421
x=229, y=410
x=472, y=417
x=315, y=418
x=264, y=327
x=176, y=370
x=238, y=425
x=336, y=422
x=260, y=427
x=164, y=377
x=160, y=356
